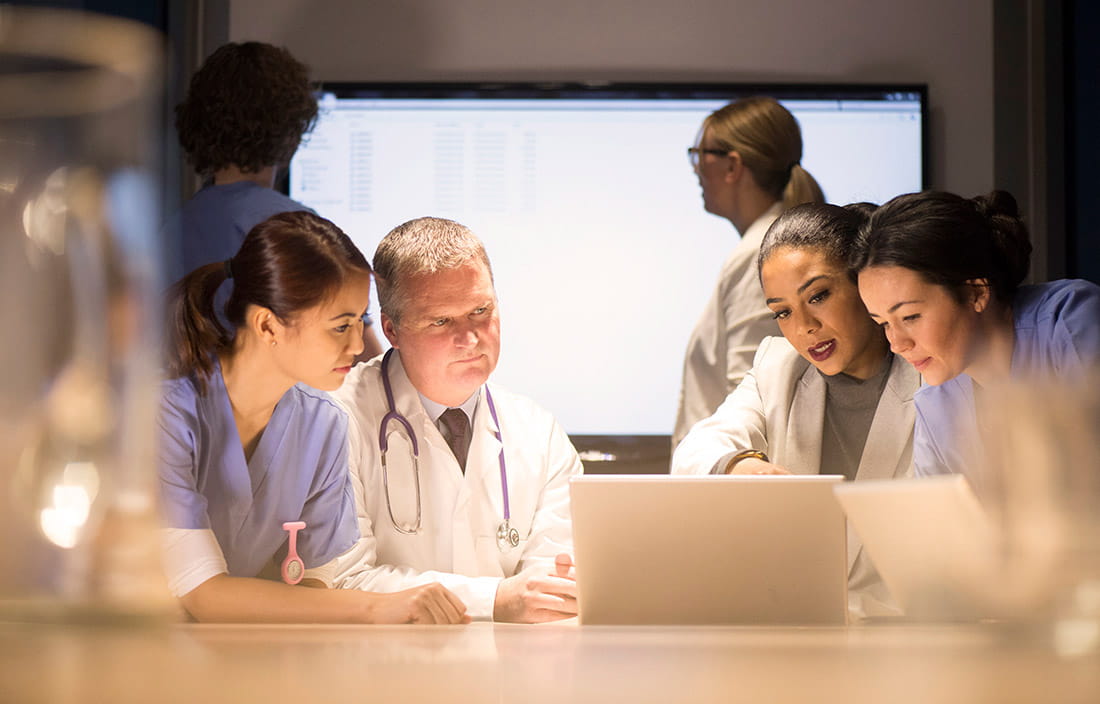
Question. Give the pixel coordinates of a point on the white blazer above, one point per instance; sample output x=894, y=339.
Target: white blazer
x=734, y=321
x=456, y=544
x=779, y=408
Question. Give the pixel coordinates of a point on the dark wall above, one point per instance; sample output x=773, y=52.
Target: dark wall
x=152, y=12
x=1083, y=138
x=1046, y=146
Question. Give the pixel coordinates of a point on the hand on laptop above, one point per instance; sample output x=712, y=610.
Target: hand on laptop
x=536, y=594
x=751, y=465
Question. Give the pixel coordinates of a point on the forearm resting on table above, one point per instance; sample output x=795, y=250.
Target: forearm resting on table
x=225, y=599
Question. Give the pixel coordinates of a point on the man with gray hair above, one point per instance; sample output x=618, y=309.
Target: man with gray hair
x=456, y=480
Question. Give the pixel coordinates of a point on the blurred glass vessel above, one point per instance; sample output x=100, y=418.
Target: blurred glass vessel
x=1043, y=495
x=78, y=317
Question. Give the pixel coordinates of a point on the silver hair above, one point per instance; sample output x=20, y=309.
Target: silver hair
x=421, y=246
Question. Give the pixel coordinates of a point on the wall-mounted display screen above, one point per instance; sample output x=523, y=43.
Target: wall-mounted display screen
x=590, y=211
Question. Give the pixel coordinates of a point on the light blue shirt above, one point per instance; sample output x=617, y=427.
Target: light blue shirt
x=298, y=472
x=1057, y=328
x=435, y=410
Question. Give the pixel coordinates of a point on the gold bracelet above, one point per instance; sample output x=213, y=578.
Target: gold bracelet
x=744, y=455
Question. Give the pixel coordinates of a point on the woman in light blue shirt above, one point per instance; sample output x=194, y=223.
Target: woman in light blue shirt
x=249, y=441
x=942, y=274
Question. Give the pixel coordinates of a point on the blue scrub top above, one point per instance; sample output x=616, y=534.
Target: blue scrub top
x=299, y=471
x=211, y=226
x=1057, y=327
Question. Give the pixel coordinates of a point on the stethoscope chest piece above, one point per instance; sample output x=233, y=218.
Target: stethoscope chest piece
x=507, y=537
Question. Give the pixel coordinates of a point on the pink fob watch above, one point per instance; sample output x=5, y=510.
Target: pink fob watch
x=293, y=569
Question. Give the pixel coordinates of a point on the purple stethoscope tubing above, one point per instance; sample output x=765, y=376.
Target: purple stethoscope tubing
x=503, y=469
x=384, y=446
x=506, y=535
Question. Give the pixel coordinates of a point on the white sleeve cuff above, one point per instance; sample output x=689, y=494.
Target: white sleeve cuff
x=190, y=558
x=477, y=593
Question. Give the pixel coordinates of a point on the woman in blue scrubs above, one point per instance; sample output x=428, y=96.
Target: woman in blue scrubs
x=942, y=275
x=250, y=441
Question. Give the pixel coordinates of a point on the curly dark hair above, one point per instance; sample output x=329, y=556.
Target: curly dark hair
x=249, y=106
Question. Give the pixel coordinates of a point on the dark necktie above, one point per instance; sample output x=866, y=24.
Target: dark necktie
x=458, y=433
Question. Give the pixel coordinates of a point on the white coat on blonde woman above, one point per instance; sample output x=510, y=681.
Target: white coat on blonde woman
x=779, y=408
x=724, y=340
x=456, y=544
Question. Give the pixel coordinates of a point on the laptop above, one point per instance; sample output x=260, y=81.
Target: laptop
x=661, y=549
x=930, y=540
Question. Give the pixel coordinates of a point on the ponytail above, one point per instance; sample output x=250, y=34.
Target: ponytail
x=769, y=140
x=801, y=188
x=194, y=332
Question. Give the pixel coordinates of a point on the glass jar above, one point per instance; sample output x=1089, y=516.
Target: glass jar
x=79, y=317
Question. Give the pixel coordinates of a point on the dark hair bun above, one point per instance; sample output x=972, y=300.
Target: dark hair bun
x=997, y=203
x=1011, y=239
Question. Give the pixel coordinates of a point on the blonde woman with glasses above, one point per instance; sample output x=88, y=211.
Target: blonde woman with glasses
x=747, y=159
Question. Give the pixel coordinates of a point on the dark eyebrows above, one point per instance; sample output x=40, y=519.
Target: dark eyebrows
x=343, y=315
x=893, y=308
x=899, y=304
x=809, y=282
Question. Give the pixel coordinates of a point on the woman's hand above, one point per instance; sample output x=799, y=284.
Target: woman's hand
x=426, y=604
x=752, y=465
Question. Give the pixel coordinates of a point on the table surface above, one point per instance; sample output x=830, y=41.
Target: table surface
x=553, y=663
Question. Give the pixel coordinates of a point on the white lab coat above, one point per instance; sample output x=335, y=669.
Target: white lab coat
x=779, y=408
x=457, y=544
x=724, y=340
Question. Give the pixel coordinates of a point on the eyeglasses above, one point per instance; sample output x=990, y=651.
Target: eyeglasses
x=695, y=152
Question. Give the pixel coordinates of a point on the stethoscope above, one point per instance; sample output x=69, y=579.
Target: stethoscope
x=507, y=536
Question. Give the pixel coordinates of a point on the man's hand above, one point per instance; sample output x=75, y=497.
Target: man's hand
x=429, y=603
x=536, y=595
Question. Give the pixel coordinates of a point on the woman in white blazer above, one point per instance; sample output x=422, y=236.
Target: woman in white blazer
x=828, y=397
